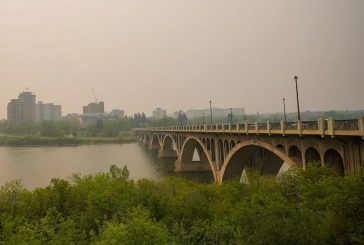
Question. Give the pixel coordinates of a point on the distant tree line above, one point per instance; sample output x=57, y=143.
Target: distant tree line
x=115, y=127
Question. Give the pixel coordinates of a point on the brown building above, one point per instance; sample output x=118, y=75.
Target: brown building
x=94, y=108
x=22, y=110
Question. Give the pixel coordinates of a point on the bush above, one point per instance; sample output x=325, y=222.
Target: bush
x=315, y=206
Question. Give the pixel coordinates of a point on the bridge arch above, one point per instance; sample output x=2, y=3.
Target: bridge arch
x=169, y=143
x=155, y=140
x=296, y=155
x=281, y=147
x=221, y=150
x=192, y=144
x=169, y=148
x=226, y=148
x=248, y=147
x=232, y=144
x=147, y=139
x=312, y=156
x=334, y=159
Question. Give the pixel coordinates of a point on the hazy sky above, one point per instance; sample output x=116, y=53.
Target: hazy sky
x=141, y=54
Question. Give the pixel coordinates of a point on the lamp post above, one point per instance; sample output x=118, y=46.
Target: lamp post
x=210, y=113
x=164, y=120
x=180, y=117
x=284, y=110
x=231, y=115
x=203, y=118
x=298, y=102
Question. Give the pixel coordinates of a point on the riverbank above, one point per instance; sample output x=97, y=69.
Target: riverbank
x=62, y=141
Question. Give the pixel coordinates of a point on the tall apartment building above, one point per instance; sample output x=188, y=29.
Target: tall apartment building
x=48, y=111
x=94, y=108
x=25, y=110
x=29, y=109
x=22, y=110
x=15, y=112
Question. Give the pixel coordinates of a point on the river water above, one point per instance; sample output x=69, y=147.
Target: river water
x=36, y=166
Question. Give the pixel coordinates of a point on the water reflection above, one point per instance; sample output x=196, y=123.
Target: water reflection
x=36, y=166
x=165, y=167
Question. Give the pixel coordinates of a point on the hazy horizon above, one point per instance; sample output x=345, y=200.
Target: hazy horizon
x=139, y=54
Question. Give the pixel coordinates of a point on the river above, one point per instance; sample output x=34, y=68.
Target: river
x=36, y=166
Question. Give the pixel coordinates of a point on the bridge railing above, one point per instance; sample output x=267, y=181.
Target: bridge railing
x=291, y=126
x=241, y=126
x=310, y=125
x=226, y=127
x=262, y=126
x=321, y=127
x=346, y=125
x=275, y=126
x=251, y=126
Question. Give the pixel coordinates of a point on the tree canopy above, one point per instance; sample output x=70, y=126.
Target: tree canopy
x=315, y=206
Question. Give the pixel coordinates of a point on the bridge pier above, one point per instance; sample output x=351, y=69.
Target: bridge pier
x=191, y=166
x=167, y=154
x=152, y=147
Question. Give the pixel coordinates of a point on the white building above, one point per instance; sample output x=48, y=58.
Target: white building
x=159, y=113
x=48, y=111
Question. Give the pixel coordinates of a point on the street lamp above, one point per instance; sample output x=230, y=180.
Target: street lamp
x=203, y=118
x=210, y=113
x=231, y=115
x=164, y=120
x=180, y=117
x=284, y=110
x=298, y=102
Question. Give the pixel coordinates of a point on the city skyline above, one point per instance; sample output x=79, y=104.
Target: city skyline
x=140, y=55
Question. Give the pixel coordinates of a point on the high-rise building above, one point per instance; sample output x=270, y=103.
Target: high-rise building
x=22, y=110
x=15, y=112
x=48, y=111
x=25, y=110
x=94, y=108
x=28, y=108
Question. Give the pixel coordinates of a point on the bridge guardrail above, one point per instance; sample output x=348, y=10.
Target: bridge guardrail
x=275, y=126
x=251, y=126
x=241, y=126
x=262, y=126
x=310, y=125
x=346, y=125
x=291, y=126
x=321, y=127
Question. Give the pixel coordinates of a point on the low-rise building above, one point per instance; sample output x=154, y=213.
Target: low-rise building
x=95, y=118
x=118, y=113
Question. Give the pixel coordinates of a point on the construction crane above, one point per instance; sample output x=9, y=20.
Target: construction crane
x=96, y=100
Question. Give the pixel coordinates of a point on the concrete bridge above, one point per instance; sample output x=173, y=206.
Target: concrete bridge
x=226, y=150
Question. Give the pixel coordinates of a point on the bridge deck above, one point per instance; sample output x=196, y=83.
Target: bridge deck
x=321, y=127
